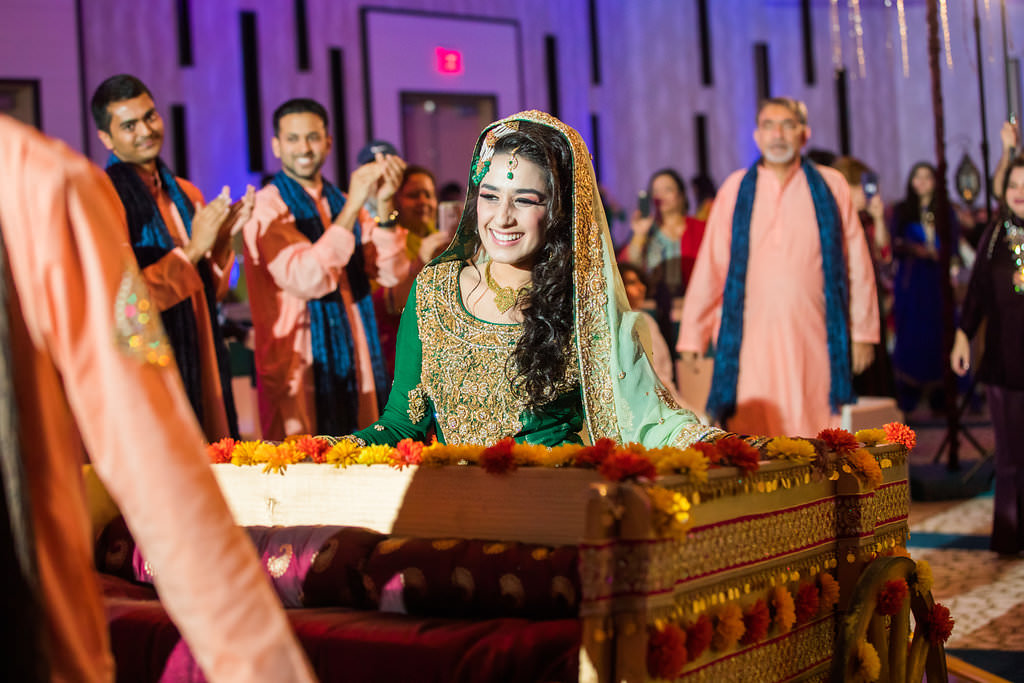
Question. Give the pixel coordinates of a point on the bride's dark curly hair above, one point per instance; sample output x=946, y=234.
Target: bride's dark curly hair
x=544, y=351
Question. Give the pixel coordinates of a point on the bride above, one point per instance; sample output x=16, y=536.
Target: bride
x=521, y=327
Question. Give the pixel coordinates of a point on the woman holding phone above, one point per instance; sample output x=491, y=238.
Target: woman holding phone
x=877, y=379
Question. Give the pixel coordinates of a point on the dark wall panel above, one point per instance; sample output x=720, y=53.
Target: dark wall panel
x=179, y=134
x=762, y=71
x=551, y=68
x=251, y=82
x=336, y=59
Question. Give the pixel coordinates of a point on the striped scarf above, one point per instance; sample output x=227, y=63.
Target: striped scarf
x=334, y=371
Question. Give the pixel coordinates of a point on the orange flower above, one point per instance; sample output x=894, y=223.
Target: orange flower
x=627, y=465
x=891, y=596
x=938, y=624
x=839, y=440
x=220, y=452
x=728, y=627
x=829, y=590
x=498, y=459
x=757, y=620
x=783, y=609
x=739, y=453
x=896, y=432
x=710, y=451
x=807, y=602
x=698, y=636
x=666, y=651
x=865, y=468
x=407, y=452
x=313, y=448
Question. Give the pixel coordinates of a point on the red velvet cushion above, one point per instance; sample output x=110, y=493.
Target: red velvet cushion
x=373, y=647
x=446, y=577
x=142, y=637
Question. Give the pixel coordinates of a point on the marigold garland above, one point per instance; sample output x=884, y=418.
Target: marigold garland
x=891, y=597
x=315, y=449
x=829, y=590
x=690, y=462
x=870, y=437
x=220, y=451
x=864, y=466
x=839, y=440
x=499, y=459
x=243, y=453
x=896, y=432
x=799, y=451
x=783, y=610
x=666, y=651
x=757, y=620
x=938, y=624
x=807, y=602
x=407, y=452
x=342, y=454
x=729, y=627
x=698, y=636
x=671, y=512
x=867, y=665
x=626, y=465
x=736, y=452
x=593, y=456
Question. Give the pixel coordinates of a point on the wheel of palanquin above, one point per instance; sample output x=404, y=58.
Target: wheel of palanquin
x=902, y=660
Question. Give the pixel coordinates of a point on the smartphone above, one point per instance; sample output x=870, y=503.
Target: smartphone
x=870, y=183
x=643, y=204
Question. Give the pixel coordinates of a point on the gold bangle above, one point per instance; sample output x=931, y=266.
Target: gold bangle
x=392, y=220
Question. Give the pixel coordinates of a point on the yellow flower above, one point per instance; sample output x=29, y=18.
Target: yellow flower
x=870, y=437
x=244, y=453
x=278, y=458
x=671, y=510
x=529, y=454
x=558, y=456
x=925, y=579
x=342, y=454
x=435, y=454
x=798, y=451
x=376, y=454
x=867, y=666
x=690, y=462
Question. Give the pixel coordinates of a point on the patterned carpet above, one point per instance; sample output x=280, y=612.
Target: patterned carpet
x=984, y=592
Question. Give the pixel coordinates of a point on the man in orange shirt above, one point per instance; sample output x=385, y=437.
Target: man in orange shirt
x=784, y=285
x=310, y=252
x=182, y=246
x=82, y=365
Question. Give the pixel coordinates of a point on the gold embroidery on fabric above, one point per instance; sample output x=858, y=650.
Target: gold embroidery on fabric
x=464, y=364
x=417, y=403
x=137, y=328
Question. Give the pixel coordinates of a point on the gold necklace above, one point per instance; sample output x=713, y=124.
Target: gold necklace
x=504, y=297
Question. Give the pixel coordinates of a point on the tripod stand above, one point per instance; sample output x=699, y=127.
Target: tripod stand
x=985, y=453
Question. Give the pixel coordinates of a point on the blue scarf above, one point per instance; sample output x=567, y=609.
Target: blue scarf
x=722, y=399
x=151, y=241
x=334, y=372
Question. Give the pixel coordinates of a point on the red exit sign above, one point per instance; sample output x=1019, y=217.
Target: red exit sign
x=448, y=61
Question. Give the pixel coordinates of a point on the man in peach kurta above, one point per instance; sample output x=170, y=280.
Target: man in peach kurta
x=182, y=245
x=784, y=366
x=289, y=270
x=91, y=370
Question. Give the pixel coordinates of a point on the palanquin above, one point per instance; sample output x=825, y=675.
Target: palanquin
x=546, y=574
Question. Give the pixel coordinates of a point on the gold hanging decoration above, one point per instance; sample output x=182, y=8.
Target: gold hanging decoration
x=837, y=36
x=904, y=52
x=944, y=14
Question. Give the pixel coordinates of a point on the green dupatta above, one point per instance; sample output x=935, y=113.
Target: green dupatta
x=623, y=399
